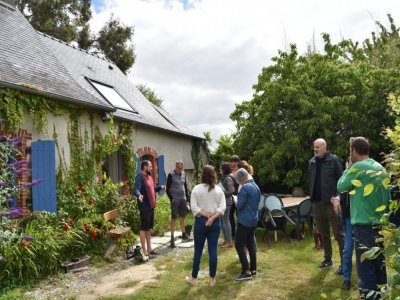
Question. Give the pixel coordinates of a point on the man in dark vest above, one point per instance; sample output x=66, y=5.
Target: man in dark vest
x=324, y=172
x=178, y=195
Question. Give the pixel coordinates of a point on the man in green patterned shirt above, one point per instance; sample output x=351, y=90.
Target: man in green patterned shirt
x=363, y=180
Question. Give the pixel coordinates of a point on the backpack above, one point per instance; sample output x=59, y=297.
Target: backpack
x=134, y=252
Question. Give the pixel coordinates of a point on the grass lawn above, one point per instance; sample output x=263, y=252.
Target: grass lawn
x=285, y=271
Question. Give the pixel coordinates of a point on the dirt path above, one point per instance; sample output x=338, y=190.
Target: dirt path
x=118, y=279
x=121, y=283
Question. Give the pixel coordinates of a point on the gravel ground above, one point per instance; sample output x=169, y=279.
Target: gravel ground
x=122, y=277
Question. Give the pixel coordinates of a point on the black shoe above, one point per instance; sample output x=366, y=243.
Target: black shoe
x=325, y=264
x=253, y=273
x=172, y=244
x=185, y=238
x=339, y=271
x=346, y=285
x=243, y=276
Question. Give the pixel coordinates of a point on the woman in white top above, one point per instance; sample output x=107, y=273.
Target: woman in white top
x=208, y=204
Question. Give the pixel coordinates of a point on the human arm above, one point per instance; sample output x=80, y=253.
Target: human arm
x=168, y=186
x=241, y=198
x=344, y=183
x=229, y=187
x=221, y=207
x=186, y=189
x=138, y=187
x=158, y=188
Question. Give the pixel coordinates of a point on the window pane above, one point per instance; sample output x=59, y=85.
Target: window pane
x=112, y=96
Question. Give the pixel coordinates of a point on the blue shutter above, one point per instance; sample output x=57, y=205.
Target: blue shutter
x=43, y=161
x=137, y=159
x=161, y=172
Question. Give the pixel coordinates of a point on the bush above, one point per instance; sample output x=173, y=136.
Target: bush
x=35, y=247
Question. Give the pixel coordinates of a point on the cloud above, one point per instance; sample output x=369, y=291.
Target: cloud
x=202, y=57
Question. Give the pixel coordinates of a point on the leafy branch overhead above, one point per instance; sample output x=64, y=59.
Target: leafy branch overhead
x=68, y=20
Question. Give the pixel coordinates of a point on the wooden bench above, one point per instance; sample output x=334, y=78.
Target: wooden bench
x=116, y=233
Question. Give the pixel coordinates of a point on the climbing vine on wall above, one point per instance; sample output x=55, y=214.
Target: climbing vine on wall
x=196, y=157
x=127, y=153
x=13, y=103
x=88, y=147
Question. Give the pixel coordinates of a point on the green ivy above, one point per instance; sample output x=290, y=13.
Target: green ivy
x=127, y=153
x=196, y=157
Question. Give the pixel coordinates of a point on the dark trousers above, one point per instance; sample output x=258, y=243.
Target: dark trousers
x=245, y=238
x=232, y=219
x=326, y=218
x=201, y=234
x=371, y=272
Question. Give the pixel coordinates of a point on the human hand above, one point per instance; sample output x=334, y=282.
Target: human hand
x=163, y=187
x=173, y=201
x=336, y=205
x=140, y=198
x=210, y=221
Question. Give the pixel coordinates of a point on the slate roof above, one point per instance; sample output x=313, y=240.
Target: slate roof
x=25, y=61
x=33, y=59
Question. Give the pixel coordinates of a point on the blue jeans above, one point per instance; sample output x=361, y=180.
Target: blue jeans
x=226, y=225
x=348, y=249
x=201, y=234
x=371, y=272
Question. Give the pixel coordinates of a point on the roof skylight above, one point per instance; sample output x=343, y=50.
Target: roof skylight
x=112, y=96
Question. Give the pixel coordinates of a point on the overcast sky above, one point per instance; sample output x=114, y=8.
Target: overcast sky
x=203, y=56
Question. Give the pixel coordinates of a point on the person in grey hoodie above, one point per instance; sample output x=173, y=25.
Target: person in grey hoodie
x=228, y=187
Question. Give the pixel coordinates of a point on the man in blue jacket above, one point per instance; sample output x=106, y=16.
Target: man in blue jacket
x=247, y=219
x=145, y=191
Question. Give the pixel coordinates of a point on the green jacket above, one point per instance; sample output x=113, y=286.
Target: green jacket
x=363, y=208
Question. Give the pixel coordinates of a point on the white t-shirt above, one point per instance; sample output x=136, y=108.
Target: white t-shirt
x=210, y=201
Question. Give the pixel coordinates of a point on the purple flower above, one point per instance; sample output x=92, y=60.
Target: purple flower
x=16, y=140
x=2, y=183
x=21, y=171
x=29, y=238
x=13, y=212
x=34, y=182
x=18, y=164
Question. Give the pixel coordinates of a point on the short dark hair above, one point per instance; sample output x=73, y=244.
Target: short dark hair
x=360, y=145
x=234, y=158
x=226, y=169
x=143, y=164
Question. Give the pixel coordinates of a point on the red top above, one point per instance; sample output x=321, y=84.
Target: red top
x=150, y=190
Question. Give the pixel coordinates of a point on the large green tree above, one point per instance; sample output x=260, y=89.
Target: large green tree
x=114, y=41
x=85, y=38
x=335, y=95
x=223, y=151
x=68, y=20
x=150, y=95
x=53, y=17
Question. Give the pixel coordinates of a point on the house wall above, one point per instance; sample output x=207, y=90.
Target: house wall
x=172, y=146
x=60, y=126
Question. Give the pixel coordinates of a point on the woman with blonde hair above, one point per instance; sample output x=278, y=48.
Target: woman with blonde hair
x=208, y=204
